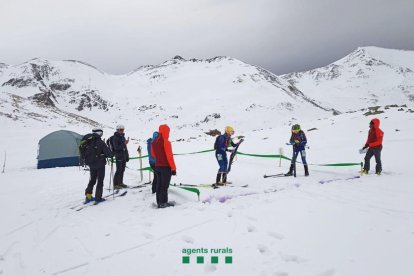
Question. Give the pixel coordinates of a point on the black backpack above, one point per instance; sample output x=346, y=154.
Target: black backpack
x=215, y=142
x=88, y=149
x=110, y=143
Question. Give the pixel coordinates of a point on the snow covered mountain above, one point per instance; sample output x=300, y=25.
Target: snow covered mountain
x=369, y=76
x=197, y=91
x=334, y=222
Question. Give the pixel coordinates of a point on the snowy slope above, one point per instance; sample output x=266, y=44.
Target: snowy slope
x=327, y=224
x=369, y=76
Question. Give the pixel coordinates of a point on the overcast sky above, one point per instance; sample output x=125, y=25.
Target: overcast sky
x=282, y=36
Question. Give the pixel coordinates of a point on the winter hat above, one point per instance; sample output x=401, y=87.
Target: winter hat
x=118, y=127
x=296, y=127
x=97, y=131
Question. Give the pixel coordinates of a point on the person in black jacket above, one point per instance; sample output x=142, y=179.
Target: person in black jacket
x=120, y=150
x=96, y=161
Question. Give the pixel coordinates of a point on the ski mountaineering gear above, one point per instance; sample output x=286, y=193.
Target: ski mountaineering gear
x=118, y=146
x=221, y=145
x=374, y=145
x=94, y=151
x=164, y=164
x=298, y=141
x=104, y=198
x=151, y=160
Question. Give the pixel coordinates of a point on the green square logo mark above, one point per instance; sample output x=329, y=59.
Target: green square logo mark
x=200, y=259
x=186, y=259
x=228, y=260
x=214, y=259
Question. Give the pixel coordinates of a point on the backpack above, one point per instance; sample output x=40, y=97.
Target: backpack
x=110, y=143
x=216, y=142
x=88, y=149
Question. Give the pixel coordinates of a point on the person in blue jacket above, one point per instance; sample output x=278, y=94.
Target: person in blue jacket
x=151, y=160
x=221, y=145
x=298, y=141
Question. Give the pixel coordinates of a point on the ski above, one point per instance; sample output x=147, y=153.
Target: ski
x=339, y=179
x=194, y=185
x=212, y=186
x=114, y=194
x=139, y=186
x=229, y=185
x=276, y=175
x=83, y=203
x=233, y=154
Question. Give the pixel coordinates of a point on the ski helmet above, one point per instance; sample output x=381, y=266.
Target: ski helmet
x=296, y=127
x=98, y=131
x=118, y=127
x=229, y=130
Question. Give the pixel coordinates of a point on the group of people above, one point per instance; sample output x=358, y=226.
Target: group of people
x=161, y=157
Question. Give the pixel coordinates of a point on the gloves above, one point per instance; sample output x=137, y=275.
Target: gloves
x=366, y=146
x=127, y=159
x=174, y=172
x=297, y=141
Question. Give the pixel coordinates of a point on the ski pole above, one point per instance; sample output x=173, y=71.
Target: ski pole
x=140, y=162
x=4, y=164
x=110, y=175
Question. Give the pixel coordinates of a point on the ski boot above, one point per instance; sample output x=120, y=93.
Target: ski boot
x=378, y=173
x=88, y=199
x=218, y=178
x=306, y=170
x=363, y=171
x=290, y=172
x=165, y=205
x=99, y=200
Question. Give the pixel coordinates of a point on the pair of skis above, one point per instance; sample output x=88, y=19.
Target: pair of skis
x=82, y=206
x=212, y=186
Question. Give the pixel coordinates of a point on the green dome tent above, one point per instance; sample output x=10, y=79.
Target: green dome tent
x=59, y=149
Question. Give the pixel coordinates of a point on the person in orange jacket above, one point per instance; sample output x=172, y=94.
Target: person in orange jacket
x=161, y=150
x=374, y=145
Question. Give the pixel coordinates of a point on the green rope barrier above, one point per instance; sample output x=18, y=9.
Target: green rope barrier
x=196, y=152
x=260, y=156
x=189, y=189
x=264, y=155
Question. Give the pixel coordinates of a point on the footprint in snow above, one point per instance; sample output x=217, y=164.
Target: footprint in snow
x=276, y=235
x=251, y=229
x=263, y=249
x=188, y=239
x=292, y=258
x=329, y=272
x=230, y=214
x=147, y=235
x=280, y=274
x=209, y=268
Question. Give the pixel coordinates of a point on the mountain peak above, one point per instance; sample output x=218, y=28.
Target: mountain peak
x=394, y=57
x=177, y=57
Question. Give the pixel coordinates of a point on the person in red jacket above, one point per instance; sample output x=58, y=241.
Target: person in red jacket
x=374, y=145
x=161, y=150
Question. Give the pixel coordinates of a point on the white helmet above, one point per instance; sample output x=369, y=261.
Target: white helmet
x=97, y=131
x=118, y=127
